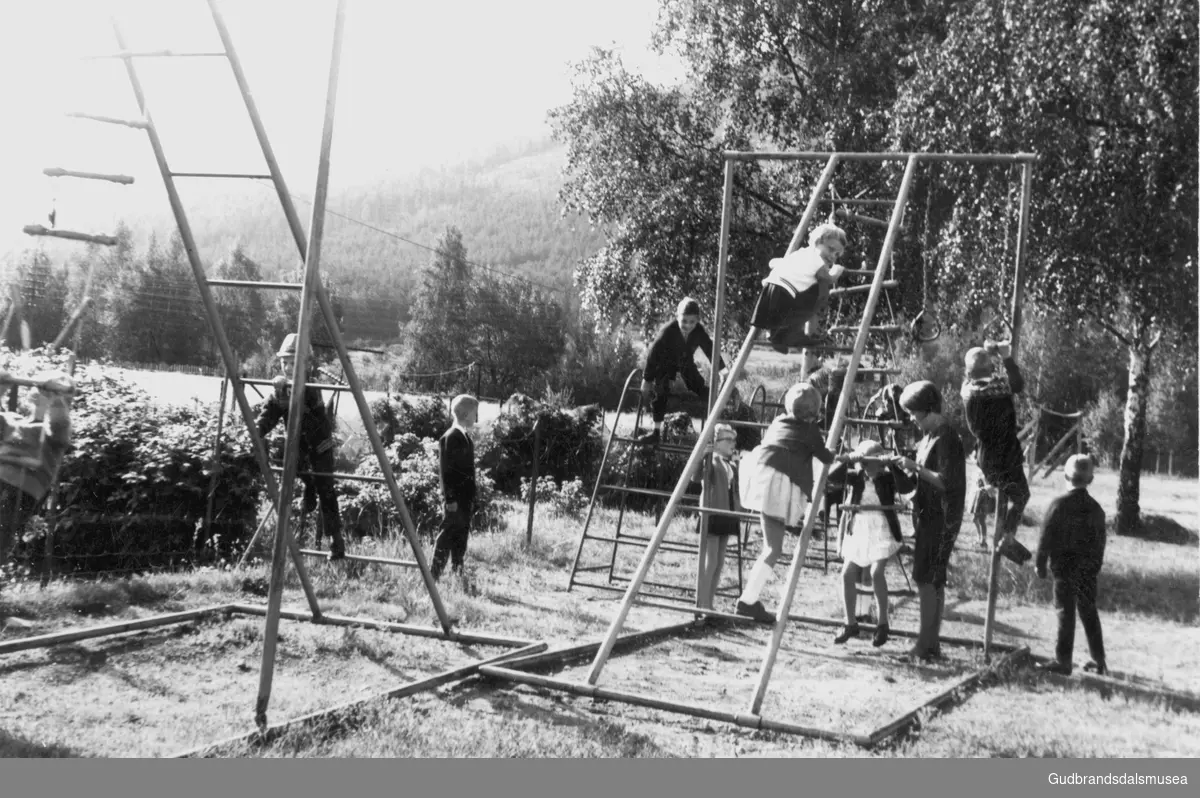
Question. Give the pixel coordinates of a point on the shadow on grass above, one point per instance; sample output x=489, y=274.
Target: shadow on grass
x=1161, y=529
x=13, y=747
x=1171, y=596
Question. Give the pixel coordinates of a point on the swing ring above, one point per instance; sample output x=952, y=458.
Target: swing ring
x=918, y=325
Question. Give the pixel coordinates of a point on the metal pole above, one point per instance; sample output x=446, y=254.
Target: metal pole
x=293, y=219
x=833, y=436
x=704, y=549
x=212, y=482
x=1018, y=288
x=664, y=523
x=291, y=457
x=210, y=307
x=533, y=481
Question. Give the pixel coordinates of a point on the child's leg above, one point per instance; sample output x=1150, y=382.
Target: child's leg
x=713, y=560
x=1015, y=489
x=927, y=634
x=850, y=577
x=1088, y=574
x=772, y=547
x=879, y=582
x=1064, y=603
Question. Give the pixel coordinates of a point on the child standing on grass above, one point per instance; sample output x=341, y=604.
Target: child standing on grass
x=31, y=450
x=722, y=477
x=983, y=504
x=456, y=468
x=1073, y=538
x=940, y=472
x=872, y=536
x=797, y=289
x=670, y=354
x=777, y=483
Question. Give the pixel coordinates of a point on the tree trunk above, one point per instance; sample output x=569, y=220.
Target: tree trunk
x=1134, y=445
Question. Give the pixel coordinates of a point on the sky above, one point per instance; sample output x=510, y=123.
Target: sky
x=420, y=84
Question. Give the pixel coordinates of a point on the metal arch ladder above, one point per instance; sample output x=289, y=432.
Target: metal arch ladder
x=310, y=251
x=723, y=397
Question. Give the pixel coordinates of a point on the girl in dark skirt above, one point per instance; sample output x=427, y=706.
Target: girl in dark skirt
x=722, y=475
x=940, y=468
x=797, y=289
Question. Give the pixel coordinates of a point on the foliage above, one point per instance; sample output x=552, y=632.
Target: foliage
x=368, y=507
x=571, y=445
x=133, y=486
x=424, y=417
x=568, y=498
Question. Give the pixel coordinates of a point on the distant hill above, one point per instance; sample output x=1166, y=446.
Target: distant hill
x=377, y=235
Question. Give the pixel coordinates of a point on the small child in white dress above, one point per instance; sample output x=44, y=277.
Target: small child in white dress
x=872, y=535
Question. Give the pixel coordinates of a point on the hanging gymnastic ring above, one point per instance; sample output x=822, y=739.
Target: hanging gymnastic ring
x=918, y=324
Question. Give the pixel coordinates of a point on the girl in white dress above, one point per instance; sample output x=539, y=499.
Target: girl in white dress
x=872, y=535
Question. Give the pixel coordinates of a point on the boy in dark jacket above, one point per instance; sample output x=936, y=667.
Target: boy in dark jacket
x=991, y=413
x=671, y=354
x=1073, y=540
x=316, y=445
x=456, y=467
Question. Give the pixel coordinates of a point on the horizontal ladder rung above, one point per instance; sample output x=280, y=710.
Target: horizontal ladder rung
x=888, y=329
x=140, y=124
x=859, y=289
x=54, y=171
x=150, y=54
x=348, y=477
x=38, y=230
x=362, y=558
x=863, y=372
x=860, y=272
x=661, y=447
x=254, y=284
x=321, y=386
x=842, y=213
x=864, y=202
x=871, y=422
x=864, y=507
x=663, y=494
x=232, y=175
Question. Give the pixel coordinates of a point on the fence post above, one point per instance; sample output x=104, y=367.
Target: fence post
x=533, y=481
x=1171, y=463
x=1157, y=461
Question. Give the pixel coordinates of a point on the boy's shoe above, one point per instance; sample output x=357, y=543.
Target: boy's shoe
x=1012, y=548
x=648, y=439
x=777, y=341
x=756, y=611
x=337, y=551
x=1054, y=666
x=1098, y=668
x=881, y=635
x=310, y=498
x=846, y=633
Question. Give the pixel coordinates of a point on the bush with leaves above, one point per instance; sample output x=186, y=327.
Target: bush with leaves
x=133, y=485
x=571, y=444
x=569, y=498
x=422, y=416
x=368, y=508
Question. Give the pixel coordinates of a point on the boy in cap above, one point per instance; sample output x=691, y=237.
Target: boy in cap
x=31, y=451
x=316, y=445
x=991, y=415
x=1073, y=539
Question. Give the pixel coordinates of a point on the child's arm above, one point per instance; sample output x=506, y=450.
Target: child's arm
x=706, y=346
x=904, y=483
x=1050, y=531
x=657, y=356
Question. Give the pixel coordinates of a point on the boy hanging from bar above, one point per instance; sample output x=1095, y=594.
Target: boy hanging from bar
x=31, y=451
x=316, y=445
x=797, y=290
x=670, y=354
x=991, y=413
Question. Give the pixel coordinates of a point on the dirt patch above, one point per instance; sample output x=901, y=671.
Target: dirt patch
x=159, y=692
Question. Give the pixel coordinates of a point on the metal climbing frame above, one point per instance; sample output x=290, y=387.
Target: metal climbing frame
x=752, y=717
x=311, y=289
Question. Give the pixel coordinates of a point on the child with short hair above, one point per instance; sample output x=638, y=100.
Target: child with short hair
x=31, y=451
x=991, y=415
x=872, y=536
x=456, y=469
x=723, y=479
x=777, y=483
x=983, y=504
x=797, y=289
x=1073, y=540
x=671, y=354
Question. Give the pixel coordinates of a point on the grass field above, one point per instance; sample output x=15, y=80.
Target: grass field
x=158, y=692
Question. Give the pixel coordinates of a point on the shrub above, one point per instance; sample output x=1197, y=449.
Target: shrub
x=571, y=444
x=423, y=416
x=368, y=507
x=569, y=498
x=133, y=486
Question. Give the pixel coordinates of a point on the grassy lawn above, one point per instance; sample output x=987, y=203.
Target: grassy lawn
x=157, y=692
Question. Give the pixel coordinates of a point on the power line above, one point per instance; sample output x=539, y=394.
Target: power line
x=435, y=250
